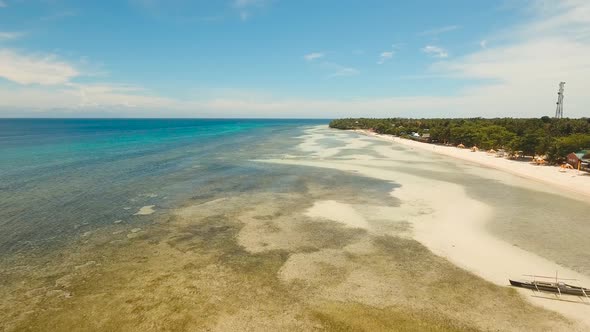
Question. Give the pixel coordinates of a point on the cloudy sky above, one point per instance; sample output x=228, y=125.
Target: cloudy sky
x=287, y=58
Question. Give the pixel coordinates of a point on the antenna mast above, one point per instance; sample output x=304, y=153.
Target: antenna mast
x=559, y=110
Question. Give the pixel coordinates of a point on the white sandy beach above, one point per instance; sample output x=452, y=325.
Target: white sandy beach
x=443, y=217
x=572, y=180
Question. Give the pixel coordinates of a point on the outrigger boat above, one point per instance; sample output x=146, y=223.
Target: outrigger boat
x=558, y=286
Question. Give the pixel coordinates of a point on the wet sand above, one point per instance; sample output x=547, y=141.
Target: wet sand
x=145, y=210
x=447, y=222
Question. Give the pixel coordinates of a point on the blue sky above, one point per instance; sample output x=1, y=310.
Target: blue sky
x=279, y=58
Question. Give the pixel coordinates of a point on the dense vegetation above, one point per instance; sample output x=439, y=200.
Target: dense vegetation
x=555, y=138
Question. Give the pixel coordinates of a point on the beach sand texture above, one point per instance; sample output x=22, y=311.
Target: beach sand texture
x=445, y=219
x=577, y=182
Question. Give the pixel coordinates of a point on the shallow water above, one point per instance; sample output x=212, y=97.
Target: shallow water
x=62, y=178
x=540, y=219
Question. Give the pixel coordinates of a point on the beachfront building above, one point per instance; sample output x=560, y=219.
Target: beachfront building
x=579, y=160
x=421, y=138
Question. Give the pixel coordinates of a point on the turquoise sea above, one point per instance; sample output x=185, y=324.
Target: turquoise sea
x=75, y=255
x=60, y=178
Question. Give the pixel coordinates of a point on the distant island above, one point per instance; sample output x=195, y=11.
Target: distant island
x=551, y=138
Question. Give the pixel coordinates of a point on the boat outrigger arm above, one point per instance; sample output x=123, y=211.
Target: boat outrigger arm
x=556, y=285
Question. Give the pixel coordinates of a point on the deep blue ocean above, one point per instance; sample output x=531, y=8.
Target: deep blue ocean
x=60, y=178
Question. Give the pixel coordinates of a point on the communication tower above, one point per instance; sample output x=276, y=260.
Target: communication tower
x=559, y=110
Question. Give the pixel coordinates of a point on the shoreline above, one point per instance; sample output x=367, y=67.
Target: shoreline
x=572, y=181
x=462, y=241
x=434, y=221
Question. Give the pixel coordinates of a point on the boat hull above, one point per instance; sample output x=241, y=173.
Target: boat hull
x=552, y=287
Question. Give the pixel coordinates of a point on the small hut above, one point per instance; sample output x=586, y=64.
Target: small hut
x=579, y=160
x=461, y=146
x=424, y=138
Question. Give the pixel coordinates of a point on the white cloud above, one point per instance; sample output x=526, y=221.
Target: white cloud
x=59, y=15
x=2, y=4
x=249, y=3
x=526, y=75
x=338, y=70
x=97, y=95
x=313, y=56
x=519, y=74
x=483, y=43
x=34, y=69
x=568, y=16
x=385, y=56
x=345, y=71
x=318, y=108
x=4, y=35
x=435, y=51
x=438, y=31
x=245, y=8
x=82, y=97
x=176, y=11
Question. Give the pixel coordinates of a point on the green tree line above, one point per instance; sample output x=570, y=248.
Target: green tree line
x=555, y=138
